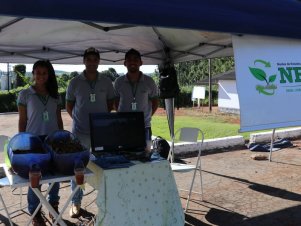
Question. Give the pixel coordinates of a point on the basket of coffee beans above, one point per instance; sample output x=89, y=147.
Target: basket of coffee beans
x=66, y=150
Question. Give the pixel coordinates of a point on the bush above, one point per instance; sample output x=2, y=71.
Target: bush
x=8, y=99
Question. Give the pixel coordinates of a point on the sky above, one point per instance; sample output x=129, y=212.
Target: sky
x=79, y=68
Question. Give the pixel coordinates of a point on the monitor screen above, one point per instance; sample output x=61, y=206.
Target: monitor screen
x=117, y=131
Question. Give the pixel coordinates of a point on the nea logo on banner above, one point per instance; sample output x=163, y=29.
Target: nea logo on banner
x=288, y=74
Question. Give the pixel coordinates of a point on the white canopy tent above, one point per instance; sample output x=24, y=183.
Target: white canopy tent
x=23, y=40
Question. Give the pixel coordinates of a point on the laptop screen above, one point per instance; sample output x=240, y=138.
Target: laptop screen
x=117, y=131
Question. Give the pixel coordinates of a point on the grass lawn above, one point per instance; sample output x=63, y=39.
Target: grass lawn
x=214, y=125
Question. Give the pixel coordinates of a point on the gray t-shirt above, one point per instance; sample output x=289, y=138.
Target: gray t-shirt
x=35, y=107
x=144, y=91
x=78, y=93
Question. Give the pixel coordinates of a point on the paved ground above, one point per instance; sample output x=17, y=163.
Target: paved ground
x=238, y=191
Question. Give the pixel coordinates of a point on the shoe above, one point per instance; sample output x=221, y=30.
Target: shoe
x=38, y=220
x=74, y=210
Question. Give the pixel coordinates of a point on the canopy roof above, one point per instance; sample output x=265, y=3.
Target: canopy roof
x=59, y=30
x=25, y=40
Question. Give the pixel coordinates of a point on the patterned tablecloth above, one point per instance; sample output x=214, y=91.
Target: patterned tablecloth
x=144, y=194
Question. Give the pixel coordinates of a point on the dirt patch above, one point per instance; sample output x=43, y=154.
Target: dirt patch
x=203, y=112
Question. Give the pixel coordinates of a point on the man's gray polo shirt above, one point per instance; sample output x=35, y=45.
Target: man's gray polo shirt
x=35, y=108
x=146, y=91
x=78, y=93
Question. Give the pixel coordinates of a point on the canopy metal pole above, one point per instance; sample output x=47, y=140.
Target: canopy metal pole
x=272, y=142
x=170, y=112
x=7, y=76
x=210, y=86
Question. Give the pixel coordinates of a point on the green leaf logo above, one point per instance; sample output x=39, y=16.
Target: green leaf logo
x=272, y=78
x=258, y=73
x=269, y=88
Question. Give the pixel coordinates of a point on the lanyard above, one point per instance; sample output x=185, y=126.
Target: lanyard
x=43, y=99
x=134, y=87
x=92, y=84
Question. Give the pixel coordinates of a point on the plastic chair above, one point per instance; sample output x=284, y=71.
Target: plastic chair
x=4, y=182
x=188, y=134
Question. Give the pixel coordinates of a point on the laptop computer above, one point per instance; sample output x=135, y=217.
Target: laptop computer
x=117, y=133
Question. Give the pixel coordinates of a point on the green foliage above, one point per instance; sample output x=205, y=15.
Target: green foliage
x=20, y=68
x=74, y=74
x=20, y=71
x=21, y=79
x=63, y=81
x=110, y=73
x=155, y=77
x=8, y=99
x=189, y=73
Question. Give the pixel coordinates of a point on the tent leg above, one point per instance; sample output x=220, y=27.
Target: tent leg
x=272, y=142
x=170, y=112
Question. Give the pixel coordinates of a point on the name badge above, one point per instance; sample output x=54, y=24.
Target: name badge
x=92, y=97
x=134, y=106
x=45, y=116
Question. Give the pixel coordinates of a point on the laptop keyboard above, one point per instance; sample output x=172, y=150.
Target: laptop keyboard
x=113, y=161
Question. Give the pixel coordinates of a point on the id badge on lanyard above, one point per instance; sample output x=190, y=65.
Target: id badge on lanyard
x=92, y=97
x=134, y=106
x=45, y=116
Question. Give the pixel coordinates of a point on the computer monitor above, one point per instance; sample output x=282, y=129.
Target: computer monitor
x=117, y=132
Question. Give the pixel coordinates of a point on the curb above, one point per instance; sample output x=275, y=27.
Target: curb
x=232, y=142
x=184, y=148
x=279, y=134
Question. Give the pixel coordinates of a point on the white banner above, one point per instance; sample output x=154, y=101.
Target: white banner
x=198, y=92
x=268, y=74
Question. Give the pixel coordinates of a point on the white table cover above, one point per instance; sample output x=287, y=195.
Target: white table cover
x=143, y=194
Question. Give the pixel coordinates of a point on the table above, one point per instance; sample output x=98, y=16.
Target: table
x=16, y=181
x=143, y=194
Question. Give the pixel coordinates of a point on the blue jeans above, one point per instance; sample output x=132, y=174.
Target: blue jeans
x=86, y=141
x=148, y=133
x=33, y=200
x=78, y=196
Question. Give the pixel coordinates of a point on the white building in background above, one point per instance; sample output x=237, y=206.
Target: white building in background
x=7, y=81
x=227, y=93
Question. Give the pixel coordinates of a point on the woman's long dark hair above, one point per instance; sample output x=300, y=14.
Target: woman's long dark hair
x=51, y=84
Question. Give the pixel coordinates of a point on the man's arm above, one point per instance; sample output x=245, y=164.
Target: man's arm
x=59, y=117
x=69, y=107
x=110, y=104
x=155, y=105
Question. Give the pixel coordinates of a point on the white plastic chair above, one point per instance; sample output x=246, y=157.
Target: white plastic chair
x=188, y=134
x=4, y=182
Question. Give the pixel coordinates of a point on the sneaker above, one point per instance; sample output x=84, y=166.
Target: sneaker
x=38, y=220
x=74, y=210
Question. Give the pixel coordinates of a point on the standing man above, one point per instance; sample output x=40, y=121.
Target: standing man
x=136, y=91
x=87, y=93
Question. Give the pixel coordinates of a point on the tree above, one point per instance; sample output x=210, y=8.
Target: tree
x=191, y=72
x=110, y=73
x=63, y=80
x=74, y=74
x=20, y=71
